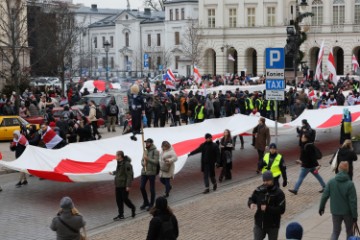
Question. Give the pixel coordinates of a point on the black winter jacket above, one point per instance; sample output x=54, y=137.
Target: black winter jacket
x=308, y=156
x=210, y=154
x=274, y=198
x=156, y=223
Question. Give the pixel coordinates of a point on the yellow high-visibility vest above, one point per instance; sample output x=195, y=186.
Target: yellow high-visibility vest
x=275, y=167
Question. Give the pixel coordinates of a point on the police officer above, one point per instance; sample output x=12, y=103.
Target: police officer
x=268, y=200
x=123, y=178
x=274, y=162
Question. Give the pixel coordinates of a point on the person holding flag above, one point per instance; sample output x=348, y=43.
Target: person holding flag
x=346, y=128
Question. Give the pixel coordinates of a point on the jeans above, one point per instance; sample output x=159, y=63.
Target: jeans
x=143, y=181
x=303, y=173
x=259, y=234
x=122, y=196
x=207, y=176
x=166, y=182
x=337, y=221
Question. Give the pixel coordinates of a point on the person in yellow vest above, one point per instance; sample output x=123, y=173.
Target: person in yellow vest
x=274, y=162
x=249, y=104
x=199, y=112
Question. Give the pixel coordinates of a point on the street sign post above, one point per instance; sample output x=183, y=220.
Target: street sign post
x=275, y=78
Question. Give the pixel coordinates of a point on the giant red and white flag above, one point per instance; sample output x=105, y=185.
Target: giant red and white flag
x=355, y=63
x=318, y=73
x=331, y=67
x=197, y=75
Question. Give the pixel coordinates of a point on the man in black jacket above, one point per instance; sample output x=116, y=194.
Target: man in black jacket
x=210, y=154
x=269, y=202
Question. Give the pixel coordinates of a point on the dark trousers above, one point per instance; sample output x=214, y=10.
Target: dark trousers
x=260, y=159
x=136, y=120
x=122, y=196
x=259, y=234
x=207, y=175
x=225, y=171
x=143, y=181
x=95, y=128
x=337, y=221
x=166, y=182
x=241, y=140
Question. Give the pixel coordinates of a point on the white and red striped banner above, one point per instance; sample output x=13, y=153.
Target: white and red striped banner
x=92, y=161
x=318, y=72
x=331, y=67
x=355, y=63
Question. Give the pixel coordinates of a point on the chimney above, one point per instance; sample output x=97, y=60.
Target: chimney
x=94, y=7
x=147, y=11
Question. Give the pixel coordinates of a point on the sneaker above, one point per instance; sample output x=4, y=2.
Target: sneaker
x=242, y=147
x=114, y=130
x=166, y=195
x=99, y=137
x=215, y=186
x=18, y=185
x=149, y=207
x=118, y=218
x=206, y=191
x=25, y=182
x=293, y=191
x=322, y=190
x=133, y=212
x=144, y=206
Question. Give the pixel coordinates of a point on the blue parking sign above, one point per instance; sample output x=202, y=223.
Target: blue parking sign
x=275, y=58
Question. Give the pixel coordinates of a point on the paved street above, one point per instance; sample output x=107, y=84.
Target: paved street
x=219, y=215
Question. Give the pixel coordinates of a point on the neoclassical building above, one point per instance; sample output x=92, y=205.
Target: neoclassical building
x=243, y=29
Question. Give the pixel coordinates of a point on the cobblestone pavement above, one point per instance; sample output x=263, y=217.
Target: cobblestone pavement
x=224, y=214
x=26, y=212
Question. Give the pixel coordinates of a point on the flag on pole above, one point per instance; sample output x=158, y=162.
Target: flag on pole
x=170, y=75
x=231, y=58
x=197, y=75
x=318, y=74
x=331, y=67
x=169, y=84
x=354, y=63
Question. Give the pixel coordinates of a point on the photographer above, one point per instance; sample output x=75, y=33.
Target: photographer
x=268, y=201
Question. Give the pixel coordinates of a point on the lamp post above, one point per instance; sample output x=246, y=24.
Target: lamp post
x=107, y=47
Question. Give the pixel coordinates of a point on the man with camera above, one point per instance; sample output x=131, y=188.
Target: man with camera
x=268, y=200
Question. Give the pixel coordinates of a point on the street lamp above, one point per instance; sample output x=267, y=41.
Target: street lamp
x=107, y=47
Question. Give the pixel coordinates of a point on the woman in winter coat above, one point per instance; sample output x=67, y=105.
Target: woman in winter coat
x=167, y=166
x=226, y=147
x=68, y=222
x=164, y=224
x=346, y=153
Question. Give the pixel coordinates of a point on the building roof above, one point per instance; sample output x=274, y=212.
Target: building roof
x=88, y=10
x=106, y=22
x=181, y=1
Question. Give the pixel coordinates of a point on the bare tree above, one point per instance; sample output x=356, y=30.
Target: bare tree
x=14, y=48
x=156, y=5
x=192, y=43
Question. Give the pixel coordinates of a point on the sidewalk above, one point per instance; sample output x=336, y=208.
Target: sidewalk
x=224, y=214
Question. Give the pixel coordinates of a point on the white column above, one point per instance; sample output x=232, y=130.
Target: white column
x=242, y=14
x=279, y=11
x=260, y=62
x=219, y=14
x=327, y=12
x=349, y=11
x=260, y=12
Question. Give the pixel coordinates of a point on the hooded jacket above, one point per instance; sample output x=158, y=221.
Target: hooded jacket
x=152, y=163
x=124, y=173
x=342, y=194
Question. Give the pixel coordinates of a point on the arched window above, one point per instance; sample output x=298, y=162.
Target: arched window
x=338, y=12
x=126, y=39
x=317, y=10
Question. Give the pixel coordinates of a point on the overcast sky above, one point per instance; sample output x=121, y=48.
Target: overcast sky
x=118, y=4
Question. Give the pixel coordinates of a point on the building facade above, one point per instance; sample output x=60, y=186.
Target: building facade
x=238, y=32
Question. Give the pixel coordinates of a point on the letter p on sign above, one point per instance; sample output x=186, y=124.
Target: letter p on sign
x=274, y=57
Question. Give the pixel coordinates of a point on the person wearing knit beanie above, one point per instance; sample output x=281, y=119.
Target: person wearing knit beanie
x=294, y=231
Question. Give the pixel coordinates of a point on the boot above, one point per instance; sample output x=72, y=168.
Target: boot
x=18, y=184
x=25, y=182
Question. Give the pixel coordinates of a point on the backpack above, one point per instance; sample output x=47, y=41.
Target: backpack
x=98, y=113
x=312, y=135
x=113, y=109
x=167, y=229
x=318, y=154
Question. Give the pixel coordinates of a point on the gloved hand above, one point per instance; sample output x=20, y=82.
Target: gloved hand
x=285, y=182
x=321, y=212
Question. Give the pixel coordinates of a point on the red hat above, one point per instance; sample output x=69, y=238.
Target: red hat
x=52, y=124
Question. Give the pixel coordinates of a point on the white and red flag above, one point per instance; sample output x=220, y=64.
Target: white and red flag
x=318, y=73
x=355, y=63
x=197, y=75
x=331, y=67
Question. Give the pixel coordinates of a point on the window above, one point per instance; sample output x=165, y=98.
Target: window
x=158, y=62
x=171, y=15
x=112, y=62
x=182, y=13
x=149, y=40
x=357, y=12
x=251, y=17
x=158, y=39
x=271, y=16
x=104, y=62
x=103, y=41
x=232, y=17
x=338, y=12
x=177, y=58
x=317, y=10
x=150, y=63
x=211, y=18
x=95, y=42
x=176, y=14
x=96, y=63
x=126, y=39
x=177, y=38
x=111, y=41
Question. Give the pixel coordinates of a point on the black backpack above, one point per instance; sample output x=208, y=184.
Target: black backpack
x=312, y=135
x=167, y=230
x=98, y=113
x=318, y=154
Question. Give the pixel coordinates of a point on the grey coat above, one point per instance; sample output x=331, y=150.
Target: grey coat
x=169, y=155
x=64, y=233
